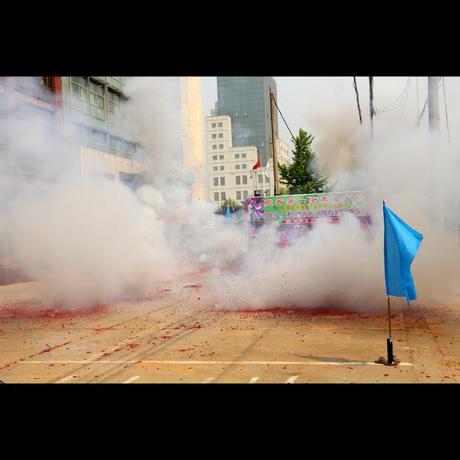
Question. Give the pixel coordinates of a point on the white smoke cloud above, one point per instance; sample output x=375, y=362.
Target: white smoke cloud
x=90, y=240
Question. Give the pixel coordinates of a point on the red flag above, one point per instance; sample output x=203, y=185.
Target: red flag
x=257, y=165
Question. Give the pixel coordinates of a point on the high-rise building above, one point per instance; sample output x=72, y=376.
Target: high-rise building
x=238, y=134
x=246, y=100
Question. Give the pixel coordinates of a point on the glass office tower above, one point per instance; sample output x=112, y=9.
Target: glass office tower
x=247, y=101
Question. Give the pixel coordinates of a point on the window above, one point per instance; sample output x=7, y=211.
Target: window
x=237, y=156
x=238, y=180
x=82, y=81
x=115, y=145
x=221, y=146
x=214, y=168
x=216, y=182
x=222, y=181
x=221, y=157
x=237, y=166
x=261, y=179
x=129, y=150
x=221, y=135
x=244, y=166
x=245, y=194
x=97, y=100
x=216, y=196
x=245, y=180
x=238, y=195
x=222, y=196
x=243, y=155
x=97, y=140
x=267, y=179
x=220, y=125
x=213, y=125
x=114, y=103
x=80, y=94
x=75, y=90
x=213, y=136
x=214, y=157
x=222, y=168
x=214, y=147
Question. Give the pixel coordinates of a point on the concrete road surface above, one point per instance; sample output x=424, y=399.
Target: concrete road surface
x=176, y=336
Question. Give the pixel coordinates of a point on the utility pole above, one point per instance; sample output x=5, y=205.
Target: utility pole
x=435, y=147
x=275, y=160
x=371, y=104
x=433, y=104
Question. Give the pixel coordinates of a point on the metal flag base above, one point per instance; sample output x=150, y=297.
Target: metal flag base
x=391, y=358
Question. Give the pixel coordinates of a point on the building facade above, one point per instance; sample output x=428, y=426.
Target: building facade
x=238, y=134
x=283, y=153
x=74, y=116
x=246, y=100
x=83, y=111
x=230, y=169
x=91, y=106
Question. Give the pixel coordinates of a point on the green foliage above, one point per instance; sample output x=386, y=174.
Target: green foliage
x=303, y=176
x=234, y=206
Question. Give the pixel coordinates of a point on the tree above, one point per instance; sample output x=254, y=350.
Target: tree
x=232, y=204
x=303, y=175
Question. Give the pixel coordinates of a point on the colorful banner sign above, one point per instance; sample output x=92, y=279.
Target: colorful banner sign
x=306, y=209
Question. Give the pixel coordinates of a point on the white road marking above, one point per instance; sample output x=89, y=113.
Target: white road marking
x=131, y=379
x=218, y=363
x=254, y=380
x=65, y=379
x=208, y=380
x=292, y=379
x=121, y=344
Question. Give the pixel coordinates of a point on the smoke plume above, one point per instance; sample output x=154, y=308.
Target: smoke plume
x=89, y=239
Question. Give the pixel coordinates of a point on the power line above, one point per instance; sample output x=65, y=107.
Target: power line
x=445, y=106
x=357, y=100
x=406, y=96
x=400, y=98
x=285, y=122
x=422, y=112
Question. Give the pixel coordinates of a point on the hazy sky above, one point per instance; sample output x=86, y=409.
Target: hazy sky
x=299, y=98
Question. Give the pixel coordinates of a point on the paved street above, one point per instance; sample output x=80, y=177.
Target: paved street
x=176, y=336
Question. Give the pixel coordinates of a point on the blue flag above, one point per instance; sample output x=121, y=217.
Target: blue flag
x=401, y=246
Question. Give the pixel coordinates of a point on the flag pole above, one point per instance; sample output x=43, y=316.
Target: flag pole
x=390, y=338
